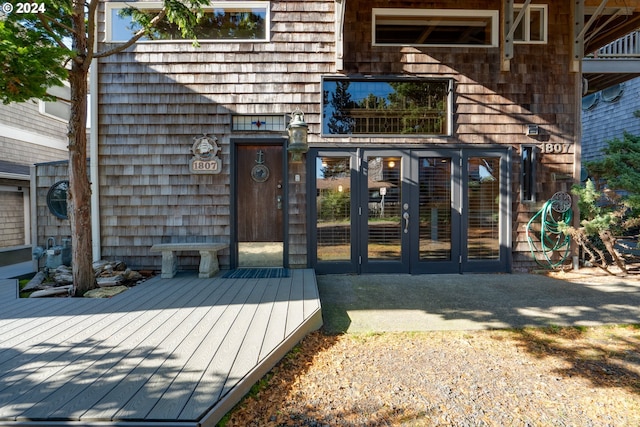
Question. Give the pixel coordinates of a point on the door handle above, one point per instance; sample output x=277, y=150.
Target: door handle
x=406, y=218
x=279, y=201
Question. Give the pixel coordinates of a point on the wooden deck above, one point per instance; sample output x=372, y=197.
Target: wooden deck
x=169, y=352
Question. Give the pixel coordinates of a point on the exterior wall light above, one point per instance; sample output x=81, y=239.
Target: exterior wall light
x=298, y=130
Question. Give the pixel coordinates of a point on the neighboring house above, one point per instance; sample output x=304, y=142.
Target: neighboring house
x=30, y=132
x=607, y=114
x=433, y=136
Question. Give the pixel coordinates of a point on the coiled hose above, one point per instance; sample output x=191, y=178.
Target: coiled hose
x=551, y=238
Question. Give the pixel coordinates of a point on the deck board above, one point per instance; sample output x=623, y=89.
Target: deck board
x=75, y=381
x=160, y=353
x=189, y=334
x=278, y=319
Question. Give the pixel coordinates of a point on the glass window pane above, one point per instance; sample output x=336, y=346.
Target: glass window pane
x=385, y=107
x=383, y=208
x=536, y=22
x=333, y=203
x=229, y=23
x=59, y=109
x=122, y=27
x=57, y=199
x=484, y=208
x=435, y=208
x=431, y=28
x=528, y=174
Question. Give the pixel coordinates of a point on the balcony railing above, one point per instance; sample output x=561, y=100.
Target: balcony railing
x=625, y=47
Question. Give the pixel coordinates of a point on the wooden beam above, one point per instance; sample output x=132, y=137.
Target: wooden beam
x=593, y=18
x=577, y=10
x=506, y=47
x=339, y=29
x=510, y=25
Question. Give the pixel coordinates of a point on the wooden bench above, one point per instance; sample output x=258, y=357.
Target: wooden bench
x=208, y=257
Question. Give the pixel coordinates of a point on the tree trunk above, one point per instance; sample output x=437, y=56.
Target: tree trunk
x=79, y=195
x=610, y=243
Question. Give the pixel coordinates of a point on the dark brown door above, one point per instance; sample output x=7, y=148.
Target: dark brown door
x=260, y=203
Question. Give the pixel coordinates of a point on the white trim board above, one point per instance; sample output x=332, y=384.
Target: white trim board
x=32, y=137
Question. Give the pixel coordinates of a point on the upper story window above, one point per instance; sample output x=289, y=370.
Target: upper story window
x=435, y=27
x=61, y=107
x=229, y=20
x=386, y=106
x=532, y=28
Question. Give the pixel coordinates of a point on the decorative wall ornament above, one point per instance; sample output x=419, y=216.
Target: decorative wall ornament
x=260, y=172
x=205, y=158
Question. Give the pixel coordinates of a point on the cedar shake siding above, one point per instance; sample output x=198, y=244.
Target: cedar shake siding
x=155, y=97
x=490, y=106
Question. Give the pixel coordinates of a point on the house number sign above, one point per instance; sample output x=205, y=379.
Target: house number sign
x=551, y=148
x=205, y=158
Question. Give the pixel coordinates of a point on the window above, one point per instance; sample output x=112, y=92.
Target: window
x=333, y=202
x=61, y=107
x=383, y=107
x=590, y=101
x=238, y=21
x=612, y=93
x=435, y=27
x=528, y=181
x=533, y=26
x=57, y=199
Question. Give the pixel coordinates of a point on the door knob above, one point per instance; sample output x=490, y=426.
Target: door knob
x=406, y=218
x=279, y=201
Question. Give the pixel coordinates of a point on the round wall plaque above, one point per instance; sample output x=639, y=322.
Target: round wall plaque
x=260, y=173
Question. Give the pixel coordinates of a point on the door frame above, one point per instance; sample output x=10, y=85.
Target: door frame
x=383, y=266
x=505, y=258
x=233, y=208
x=444, y=266
x=329, y=267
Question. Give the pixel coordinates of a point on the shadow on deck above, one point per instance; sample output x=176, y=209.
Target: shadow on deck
x=179, y=351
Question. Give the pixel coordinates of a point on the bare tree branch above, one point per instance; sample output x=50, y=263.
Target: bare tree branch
x=91, y=29
x=44, y=19
x=137, y=36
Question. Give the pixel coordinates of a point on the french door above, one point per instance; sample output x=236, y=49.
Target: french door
x=411, y=211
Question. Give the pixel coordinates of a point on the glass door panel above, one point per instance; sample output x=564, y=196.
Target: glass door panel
x=434, y=175
x=333, y=204
x=483, y=210
x=384, y=216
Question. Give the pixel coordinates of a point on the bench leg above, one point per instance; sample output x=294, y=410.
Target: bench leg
x=169, y=264
x=208, y=264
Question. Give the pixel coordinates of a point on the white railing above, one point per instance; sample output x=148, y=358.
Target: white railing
x=625, y=47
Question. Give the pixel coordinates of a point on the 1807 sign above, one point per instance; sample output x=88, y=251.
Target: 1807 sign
x=205, y=166
x=205, y=155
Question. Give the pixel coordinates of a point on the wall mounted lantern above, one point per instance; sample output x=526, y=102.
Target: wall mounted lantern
x=298, y=130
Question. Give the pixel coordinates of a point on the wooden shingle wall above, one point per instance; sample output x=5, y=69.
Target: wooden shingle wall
x=154, y=98
x=490, y=106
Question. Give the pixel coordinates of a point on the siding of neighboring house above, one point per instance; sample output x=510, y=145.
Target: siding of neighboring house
x=608, y=120
x=26, y=137
x=12, y=213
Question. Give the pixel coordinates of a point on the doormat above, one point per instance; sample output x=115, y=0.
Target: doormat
x=256, y=273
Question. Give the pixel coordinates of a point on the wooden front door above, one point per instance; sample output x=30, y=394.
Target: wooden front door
x=260, y=205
